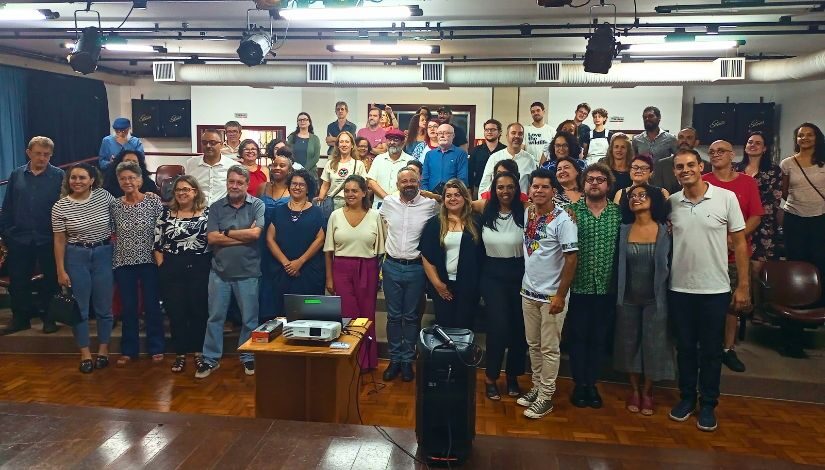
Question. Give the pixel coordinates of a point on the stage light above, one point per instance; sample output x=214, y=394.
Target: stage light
x=388, y=49
x=254, y=47
x=83, y=58
x=601, y=50
x=350, y=13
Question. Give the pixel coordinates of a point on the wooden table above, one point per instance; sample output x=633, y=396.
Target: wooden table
x=307, y=380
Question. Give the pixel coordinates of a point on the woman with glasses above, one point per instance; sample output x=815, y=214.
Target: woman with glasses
x=643, y=346
x=619, y=156
x=135, y=214
x=568, y=182
x=249, y=152
x=641, y=172
x=363, y=148
x=415, y=144
x=306, y=146
x=564, y=144
x=295, y=238
x=451, y=251
x=181, y=253
x=342, y=164
x=110, y=182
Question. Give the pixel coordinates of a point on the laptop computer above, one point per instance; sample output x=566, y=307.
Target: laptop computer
x=313, y=307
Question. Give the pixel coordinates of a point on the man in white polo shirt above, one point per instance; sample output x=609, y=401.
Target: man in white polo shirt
x=383, y=173
x=525, y=161
x=703, y=217
x=551, y=244
x=210, y=170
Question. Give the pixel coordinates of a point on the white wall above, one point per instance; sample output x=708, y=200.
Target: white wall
x=799, y=102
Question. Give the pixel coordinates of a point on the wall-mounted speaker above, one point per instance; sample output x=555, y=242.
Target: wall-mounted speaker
x=161, y=118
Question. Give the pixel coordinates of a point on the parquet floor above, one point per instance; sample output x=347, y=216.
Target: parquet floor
x=748, y=426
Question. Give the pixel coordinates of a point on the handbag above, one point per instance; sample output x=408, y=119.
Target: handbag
x=63, y=308
x=328, y=204
x=808, y=179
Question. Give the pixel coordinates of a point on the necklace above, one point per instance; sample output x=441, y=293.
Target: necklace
x=292, y=211
x=505, y=216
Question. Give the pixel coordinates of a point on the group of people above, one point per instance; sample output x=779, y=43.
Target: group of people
x=580, y=230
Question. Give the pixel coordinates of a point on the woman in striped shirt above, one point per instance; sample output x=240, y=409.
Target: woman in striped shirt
x=82, y=225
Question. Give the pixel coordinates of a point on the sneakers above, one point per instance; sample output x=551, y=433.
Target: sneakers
x=682, y=410
x=528, y=398
x=539, y=408
x=706, y=421
x=731, y=360
x=205, y=368
x=249, y=367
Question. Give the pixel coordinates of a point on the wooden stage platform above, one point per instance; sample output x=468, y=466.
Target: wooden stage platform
x=59, y=436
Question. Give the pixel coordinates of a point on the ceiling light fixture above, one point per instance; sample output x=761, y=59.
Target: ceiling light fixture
x=386, y=49
x=254, y=47
x=736, y=6
x=26, y=14
x=348, y=13
x=123, y=47
x=83, y=59
x=681, y=47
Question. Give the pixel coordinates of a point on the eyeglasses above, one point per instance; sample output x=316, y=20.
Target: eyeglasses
x=210, y=143
x=560, y=146
x=184, y=190
x=303, y=119
x=434, y=126
x=718, y=152
x=639, y=167
x=638, y=196
x=298, y=185
x=595, y=179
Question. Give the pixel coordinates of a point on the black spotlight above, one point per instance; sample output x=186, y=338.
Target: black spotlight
x=601, y=49
x=86, y=51
x=254, y=47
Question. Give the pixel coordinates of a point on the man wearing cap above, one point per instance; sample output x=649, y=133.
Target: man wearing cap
x=445, y=116
x=383, y=173
x=121, y=140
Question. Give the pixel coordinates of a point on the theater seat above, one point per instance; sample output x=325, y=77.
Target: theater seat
x=165, y=172
x=789, y=289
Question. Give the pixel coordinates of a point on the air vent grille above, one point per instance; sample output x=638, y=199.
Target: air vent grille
x=432, y=72
x=319, y=72
x=163, y=71
x=548, y=72
x=730, y=68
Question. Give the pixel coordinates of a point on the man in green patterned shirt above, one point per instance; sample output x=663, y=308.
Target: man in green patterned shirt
x=592, y=297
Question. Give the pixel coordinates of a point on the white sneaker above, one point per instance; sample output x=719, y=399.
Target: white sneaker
x=249, y=367
x=205, y=369
x=539, y=409
x=528, y=398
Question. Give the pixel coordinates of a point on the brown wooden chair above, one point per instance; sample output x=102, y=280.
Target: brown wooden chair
x=789, y=289
x=165, y=172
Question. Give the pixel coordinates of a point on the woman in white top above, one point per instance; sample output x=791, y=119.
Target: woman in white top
x=341, y=164
x=502, y=230
x=82, y=225
x=354, y=242
x=451, y=253
x=803, y=189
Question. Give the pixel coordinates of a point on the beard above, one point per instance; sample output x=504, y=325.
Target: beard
x=651, y=126
x=409, y=192
x=393, y=149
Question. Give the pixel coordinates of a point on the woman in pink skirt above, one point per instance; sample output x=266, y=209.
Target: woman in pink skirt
x=354, y=243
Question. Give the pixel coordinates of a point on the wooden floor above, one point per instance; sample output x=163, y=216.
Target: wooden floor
x=751, y=427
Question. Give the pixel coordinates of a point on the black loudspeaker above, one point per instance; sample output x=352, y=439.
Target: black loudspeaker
x=751, y=117
x=715, y=121
x=175, y=118
x=146, y=118
x=445, y=403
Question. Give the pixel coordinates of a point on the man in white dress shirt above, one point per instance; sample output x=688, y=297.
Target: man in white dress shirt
x=405, y=215
x=210, y=170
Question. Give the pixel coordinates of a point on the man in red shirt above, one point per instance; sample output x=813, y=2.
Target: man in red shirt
x=747, y=192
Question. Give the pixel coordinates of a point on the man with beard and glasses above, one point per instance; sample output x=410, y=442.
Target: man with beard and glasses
x=405, y=215
x=663, y=175
x=481, y=154
x=234, y=226
x=525, y=161
x=384, y=170
x=654, y=141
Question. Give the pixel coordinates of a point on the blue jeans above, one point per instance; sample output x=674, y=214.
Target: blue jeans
x=220, y=292
x=127, y=278
x=403, y=286
x=90, y=272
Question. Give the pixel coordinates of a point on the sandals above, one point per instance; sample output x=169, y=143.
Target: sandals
x=122, y=361
x=87, y=366
x=101, y=362
x=647, y=405
x=513, y=389
x=633, y=402
x=157, y=358
x=491, y=390
x=179, y=365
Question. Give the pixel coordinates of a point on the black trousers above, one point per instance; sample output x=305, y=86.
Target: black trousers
x=184, y=281
x=589, y=320
x=500, y=286
x=699, y=320
x=799, y=246
x=457, y=313
x=22, y=261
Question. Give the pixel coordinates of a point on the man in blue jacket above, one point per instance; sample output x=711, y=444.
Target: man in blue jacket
x=445, y=162
x=113, y=144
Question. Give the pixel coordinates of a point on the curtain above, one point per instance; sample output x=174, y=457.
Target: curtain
x=72, y=111
x=12, y=121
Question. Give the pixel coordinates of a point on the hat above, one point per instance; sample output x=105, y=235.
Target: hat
x=445, y=109
x=121, y=123
x=394, y=133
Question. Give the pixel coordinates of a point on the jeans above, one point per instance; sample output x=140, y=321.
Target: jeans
x=220, y=292
x=90, y=272
x=699, y=320
x=21, y=266
x=127, y=278
x=403, y=286
x=589, y=320
x=543, y=332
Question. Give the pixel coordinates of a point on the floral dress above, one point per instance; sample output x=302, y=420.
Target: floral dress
x=770, y=191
